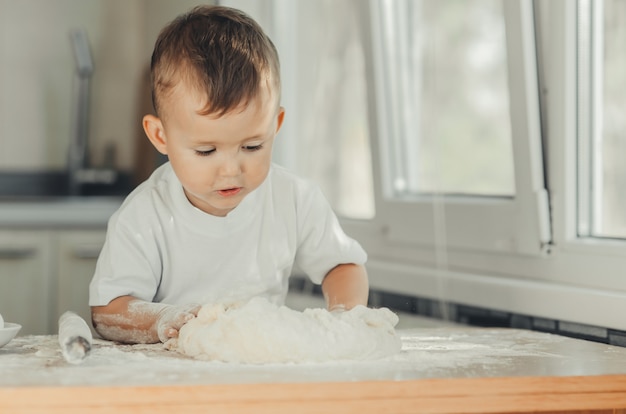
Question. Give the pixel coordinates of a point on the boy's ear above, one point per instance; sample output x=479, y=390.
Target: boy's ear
x=153, y=127
x=280, y=119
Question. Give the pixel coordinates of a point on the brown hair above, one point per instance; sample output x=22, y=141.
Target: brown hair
x=218, y=50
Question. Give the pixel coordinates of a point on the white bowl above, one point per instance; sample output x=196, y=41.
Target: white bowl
x=8, y=333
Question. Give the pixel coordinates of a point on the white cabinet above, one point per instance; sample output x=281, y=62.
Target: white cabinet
x=45, y=273
x=77, y=252
x=25, y=280
x=48, y=254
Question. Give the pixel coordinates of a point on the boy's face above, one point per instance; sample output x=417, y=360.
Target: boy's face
x=218, y=160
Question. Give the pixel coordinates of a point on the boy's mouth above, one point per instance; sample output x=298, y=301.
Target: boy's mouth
x=229, y=192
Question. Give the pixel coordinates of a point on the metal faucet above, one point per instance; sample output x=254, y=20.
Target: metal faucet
x=78, y=171
x=77, y=152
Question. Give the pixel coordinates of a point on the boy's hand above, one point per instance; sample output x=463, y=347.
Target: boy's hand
x=171, y=318
x=345, y=285
x=337, y=309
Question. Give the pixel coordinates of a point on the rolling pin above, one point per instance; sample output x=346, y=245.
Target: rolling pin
x=74, y=337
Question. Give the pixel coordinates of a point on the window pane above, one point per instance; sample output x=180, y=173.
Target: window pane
x=333, y=138
x=443, y=65
x=602, y=118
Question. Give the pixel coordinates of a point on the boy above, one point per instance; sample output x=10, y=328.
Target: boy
x=218, y=222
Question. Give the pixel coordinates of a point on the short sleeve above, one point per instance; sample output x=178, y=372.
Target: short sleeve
x=322, y=243
x=128, y=264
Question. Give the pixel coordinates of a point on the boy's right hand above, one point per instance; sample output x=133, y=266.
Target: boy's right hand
x=172, y=317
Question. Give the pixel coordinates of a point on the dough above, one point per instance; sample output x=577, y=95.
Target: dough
x=260, y=332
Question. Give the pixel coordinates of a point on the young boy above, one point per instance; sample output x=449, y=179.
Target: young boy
x=218, y=222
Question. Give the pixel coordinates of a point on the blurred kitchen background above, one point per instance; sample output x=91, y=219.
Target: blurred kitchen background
x=38, y=104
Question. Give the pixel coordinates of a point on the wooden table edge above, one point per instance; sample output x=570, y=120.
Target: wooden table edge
x=602, y=393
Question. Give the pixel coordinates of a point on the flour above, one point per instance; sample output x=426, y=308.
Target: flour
x=259, y=332
x=449, y=352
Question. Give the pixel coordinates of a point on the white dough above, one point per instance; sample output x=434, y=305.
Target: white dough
x=261, y=332
x=1, y=322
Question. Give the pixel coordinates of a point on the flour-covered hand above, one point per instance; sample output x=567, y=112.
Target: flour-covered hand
x=172, y=317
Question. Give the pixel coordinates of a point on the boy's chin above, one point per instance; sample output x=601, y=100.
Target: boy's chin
x=221, y=207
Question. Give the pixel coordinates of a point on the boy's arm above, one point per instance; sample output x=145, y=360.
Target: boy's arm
x=131, y=320
x=345, y=286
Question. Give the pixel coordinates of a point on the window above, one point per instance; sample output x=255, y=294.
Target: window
x=601, y=118
x=448, y=130
x=457, y=124
x=379, y=114
x=473, y=109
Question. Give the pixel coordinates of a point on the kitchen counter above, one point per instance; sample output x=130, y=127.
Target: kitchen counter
x=61, y=212
x=447, y=369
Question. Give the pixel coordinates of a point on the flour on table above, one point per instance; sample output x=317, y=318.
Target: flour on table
x=261, y=332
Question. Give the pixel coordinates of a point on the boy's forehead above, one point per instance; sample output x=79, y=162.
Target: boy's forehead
x=247, y=120
x=189, y=98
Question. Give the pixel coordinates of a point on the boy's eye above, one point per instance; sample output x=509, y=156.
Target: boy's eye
x=204, y=153
x=253, y=147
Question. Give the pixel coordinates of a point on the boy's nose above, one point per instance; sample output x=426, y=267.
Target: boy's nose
x=230, y=167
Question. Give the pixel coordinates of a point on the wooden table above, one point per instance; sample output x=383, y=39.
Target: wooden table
x=440, y=370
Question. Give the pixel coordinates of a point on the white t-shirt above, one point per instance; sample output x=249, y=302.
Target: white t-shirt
x=160, y=248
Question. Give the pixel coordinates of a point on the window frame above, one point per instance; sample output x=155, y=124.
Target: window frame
x=564, y=112
x=494, y=224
